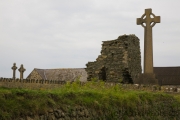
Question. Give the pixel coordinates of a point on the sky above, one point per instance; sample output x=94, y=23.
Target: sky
x=68, y=33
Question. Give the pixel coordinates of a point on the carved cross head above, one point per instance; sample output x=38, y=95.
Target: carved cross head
x=21, y=69
x=148, y=19
x=14, y=67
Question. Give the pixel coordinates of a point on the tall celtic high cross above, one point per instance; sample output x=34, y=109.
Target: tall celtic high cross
x=21, y=70
x=148, y=20
x=14, y=70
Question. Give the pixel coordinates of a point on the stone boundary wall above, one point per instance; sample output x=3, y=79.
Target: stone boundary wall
x=164, y=88
x=30, y=83
x=51, y=84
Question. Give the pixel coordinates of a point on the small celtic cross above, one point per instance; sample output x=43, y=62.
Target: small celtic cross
x=14, y=70
x=21, y=70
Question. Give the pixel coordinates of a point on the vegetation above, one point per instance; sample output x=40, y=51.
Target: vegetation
x=95, y=95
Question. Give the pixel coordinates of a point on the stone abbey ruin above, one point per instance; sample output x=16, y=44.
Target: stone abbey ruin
x=120, y=60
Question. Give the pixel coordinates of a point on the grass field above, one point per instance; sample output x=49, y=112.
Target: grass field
x=95, y=95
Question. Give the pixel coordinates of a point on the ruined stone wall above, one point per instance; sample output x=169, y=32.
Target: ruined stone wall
x=120, y=60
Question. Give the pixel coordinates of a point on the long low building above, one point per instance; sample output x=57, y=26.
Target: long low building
x=165, y=75
x=168, y=75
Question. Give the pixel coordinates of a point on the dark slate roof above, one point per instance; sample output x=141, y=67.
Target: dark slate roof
x=168, y=75
x=66, y=74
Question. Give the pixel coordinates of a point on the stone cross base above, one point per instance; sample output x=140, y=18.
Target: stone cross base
x=146, y=79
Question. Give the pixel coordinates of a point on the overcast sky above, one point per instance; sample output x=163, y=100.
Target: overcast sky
x=69, y=33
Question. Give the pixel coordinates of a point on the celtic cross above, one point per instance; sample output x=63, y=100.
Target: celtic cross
x=148, y=20
x=21, y=70
x=14, y=70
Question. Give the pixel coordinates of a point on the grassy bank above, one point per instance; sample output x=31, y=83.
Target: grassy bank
x=93, y=95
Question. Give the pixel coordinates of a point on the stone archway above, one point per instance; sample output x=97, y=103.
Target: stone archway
x=126, y=77
x=102, y=74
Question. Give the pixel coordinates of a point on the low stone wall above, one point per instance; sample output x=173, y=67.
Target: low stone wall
x=51, y=84
x=30, y=83
x=165, y=88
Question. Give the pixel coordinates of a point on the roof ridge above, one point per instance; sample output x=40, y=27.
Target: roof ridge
x=167, y=66
x=57, y=68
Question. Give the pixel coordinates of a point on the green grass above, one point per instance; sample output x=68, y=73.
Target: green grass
x=95, y=95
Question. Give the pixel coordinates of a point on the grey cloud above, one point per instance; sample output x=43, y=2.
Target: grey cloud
x=46, y=34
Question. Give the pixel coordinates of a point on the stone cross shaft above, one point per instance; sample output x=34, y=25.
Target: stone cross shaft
x=148, y=20
x=14, y=70
x=21, y=70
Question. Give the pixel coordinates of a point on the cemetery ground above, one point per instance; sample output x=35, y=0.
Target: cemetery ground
x=93, y=100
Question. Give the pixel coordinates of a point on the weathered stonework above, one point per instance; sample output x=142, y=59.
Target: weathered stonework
x=147, y=21
x=14, y=70
x=21, y=70
x=60, y=74
x=34, y=75
x=120, y=60
x=162, y=109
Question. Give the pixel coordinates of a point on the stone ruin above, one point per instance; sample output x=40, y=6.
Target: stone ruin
x=120, y=61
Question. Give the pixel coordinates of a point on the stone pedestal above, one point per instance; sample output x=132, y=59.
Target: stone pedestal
x=147, y=79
